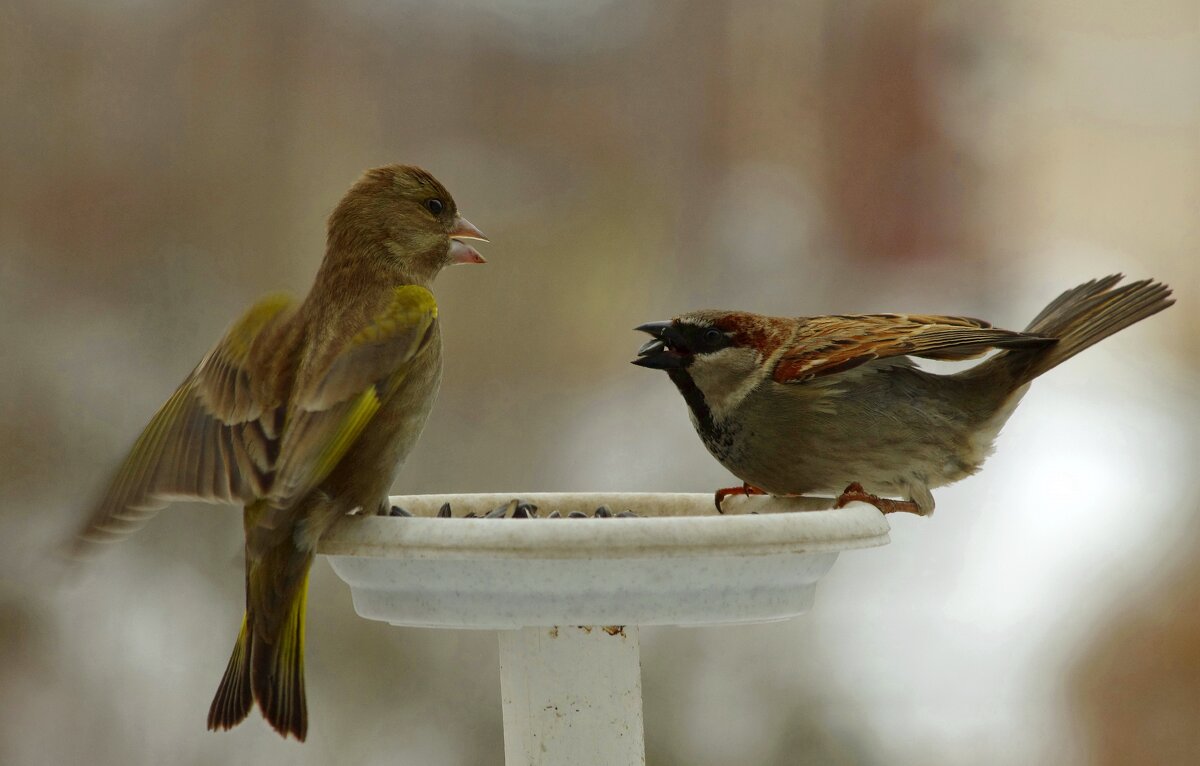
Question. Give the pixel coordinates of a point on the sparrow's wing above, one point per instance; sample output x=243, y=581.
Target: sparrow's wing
x=326, y=418
x=214, y=440
x=832, y=344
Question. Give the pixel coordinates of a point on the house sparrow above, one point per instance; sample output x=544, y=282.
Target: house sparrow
x=303, y=413
x=818, y=404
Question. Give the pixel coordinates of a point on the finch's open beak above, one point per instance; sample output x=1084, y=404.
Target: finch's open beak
x=663, y=351
x=461, y=252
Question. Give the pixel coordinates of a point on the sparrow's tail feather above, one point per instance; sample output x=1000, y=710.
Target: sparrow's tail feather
x=1082, y=317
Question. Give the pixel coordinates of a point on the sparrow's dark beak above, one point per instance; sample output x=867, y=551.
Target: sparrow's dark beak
x=660, y=352
x=461, y=252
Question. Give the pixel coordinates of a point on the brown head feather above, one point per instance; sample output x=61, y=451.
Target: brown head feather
x=386, y=220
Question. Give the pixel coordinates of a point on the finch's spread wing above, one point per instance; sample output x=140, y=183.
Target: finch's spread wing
x=828, y=345
x=214, y=440
x=326, y=418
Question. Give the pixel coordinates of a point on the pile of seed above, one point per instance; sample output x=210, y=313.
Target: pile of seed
x=515, y=509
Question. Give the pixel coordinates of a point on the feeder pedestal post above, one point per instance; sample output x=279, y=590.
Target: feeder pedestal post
x=572, y=696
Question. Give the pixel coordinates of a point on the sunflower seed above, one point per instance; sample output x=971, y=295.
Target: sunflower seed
x=603, y=512
x=525, y=511
x=503, y=510
x=444, y=511
x=398, y=511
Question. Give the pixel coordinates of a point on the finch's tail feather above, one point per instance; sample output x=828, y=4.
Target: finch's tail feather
x=277, y=670
x=267, y=663
x=1082, y=317
x=232, y=703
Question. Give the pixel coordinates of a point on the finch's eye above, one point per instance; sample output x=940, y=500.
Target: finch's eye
x=713, y=336
x=435, y=205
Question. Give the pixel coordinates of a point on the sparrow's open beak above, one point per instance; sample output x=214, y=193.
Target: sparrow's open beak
x=662, y=351
x=461, y=252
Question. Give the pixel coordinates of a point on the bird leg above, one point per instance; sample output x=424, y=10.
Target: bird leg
x=746, y=489
x=885, y=505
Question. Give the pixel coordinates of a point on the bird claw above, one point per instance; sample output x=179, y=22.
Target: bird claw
x=856, y=493
x=746, y=489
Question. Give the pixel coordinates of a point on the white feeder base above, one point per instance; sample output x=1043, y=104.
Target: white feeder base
x=572, y=695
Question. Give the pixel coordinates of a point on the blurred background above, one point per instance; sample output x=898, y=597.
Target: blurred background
x=165, y=162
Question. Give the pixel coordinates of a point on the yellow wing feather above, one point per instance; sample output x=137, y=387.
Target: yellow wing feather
x=329, y=416
x=201, y=443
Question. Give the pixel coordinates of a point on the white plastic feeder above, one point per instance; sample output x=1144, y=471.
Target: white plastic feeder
x=567, y=595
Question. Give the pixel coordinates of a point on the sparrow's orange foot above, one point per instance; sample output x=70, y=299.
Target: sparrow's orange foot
x=745, y=489
x=885, y=505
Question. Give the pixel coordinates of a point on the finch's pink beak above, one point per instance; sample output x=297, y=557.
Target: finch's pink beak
x=461, y=252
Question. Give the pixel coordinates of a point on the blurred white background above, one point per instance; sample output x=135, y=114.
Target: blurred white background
x=164, y=162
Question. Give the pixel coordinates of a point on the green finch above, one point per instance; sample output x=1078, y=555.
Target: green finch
x=303, y=413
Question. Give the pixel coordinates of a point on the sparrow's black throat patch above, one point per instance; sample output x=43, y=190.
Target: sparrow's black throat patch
x=695, y=399
x=715, y=437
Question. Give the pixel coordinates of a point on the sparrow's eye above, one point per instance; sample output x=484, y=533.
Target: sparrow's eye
x=713, y=336
x=435, y=205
